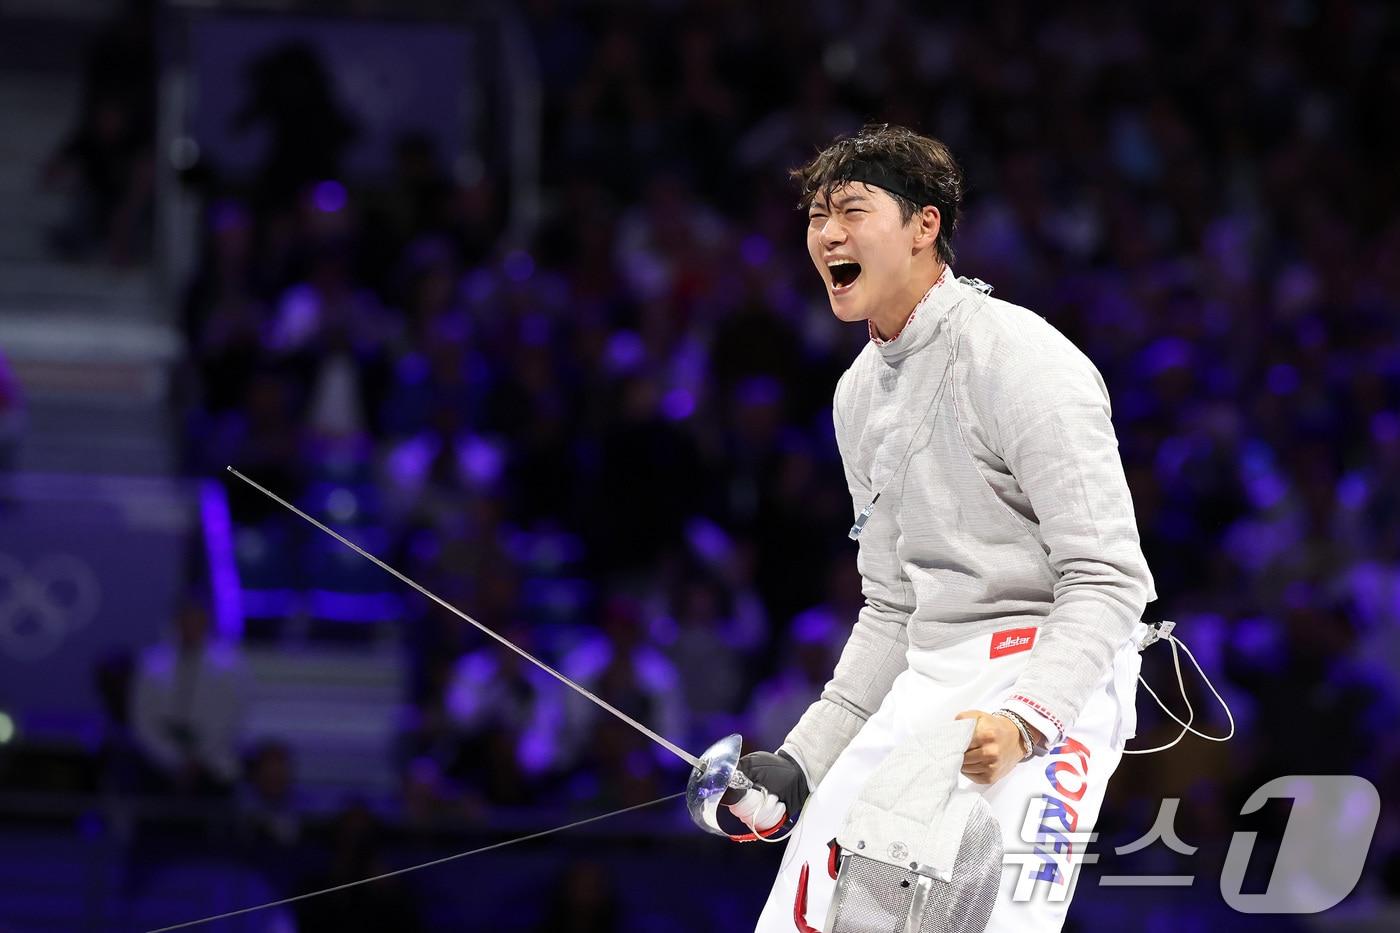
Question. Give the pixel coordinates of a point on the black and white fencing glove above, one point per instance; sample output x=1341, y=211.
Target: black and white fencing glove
x=781, y=789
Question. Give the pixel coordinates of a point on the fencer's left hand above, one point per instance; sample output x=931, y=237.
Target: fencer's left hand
x=995, y=748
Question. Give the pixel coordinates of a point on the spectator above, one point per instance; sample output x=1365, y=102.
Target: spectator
x=11, y=416
x=618, y=662
x=509, y=719
x=271, y=808
x=356, y=839
x=106, y=159
x=708, y=647
x=290, y=93
x=780, y=701
x=121, y=767
x=187, y=705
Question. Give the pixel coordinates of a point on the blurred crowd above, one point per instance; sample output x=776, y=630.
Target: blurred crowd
x=611, y=441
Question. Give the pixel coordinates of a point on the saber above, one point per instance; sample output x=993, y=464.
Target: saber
x=661, y=740
x=711, y=775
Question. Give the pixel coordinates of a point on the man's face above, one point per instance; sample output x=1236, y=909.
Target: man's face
x=863, y=249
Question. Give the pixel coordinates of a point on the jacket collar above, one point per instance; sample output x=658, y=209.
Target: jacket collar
x=924, y=323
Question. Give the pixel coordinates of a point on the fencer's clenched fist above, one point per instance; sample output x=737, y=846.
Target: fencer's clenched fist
x=996, y=746
x=784, y=791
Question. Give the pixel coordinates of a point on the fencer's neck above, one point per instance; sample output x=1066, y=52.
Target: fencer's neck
x=887, y=327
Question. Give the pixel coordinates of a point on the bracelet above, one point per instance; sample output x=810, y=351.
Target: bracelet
x=1021, y=727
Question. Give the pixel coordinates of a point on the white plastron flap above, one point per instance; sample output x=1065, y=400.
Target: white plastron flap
x=910, y=813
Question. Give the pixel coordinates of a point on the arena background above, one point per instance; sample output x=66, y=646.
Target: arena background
x=517, y=295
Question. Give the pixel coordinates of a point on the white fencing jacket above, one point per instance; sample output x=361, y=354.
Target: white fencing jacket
x=1002, y=505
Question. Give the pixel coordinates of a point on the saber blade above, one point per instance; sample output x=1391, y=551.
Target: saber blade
x=665, y=743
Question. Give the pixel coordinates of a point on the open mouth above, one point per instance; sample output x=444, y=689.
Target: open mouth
x=844, y=275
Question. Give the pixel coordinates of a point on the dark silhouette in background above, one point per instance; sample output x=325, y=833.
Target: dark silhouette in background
x=292, y=96
x=105, y=161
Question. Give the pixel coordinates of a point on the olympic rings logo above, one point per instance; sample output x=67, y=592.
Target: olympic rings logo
x=41, y=604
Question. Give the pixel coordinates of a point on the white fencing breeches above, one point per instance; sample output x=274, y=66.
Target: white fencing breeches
x=1046, y=806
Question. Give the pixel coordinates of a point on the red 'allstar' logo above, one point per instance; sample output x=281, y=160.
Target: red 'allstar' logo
x=1012, y=640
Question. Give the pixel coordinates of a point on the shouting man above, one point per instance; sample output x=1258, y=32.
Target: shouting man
x=999, y=555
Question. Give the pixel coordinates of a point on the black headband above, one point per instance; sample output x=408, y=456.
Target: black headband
x=874, y=173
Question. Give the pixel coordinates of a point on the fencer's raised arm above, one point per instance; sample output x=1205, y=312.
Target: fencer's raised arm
x=874, y=654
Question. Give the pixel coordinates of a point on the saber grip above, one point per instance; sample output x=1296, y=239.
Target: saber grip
x=765, y=790
x=740, y=784
x=758, y=809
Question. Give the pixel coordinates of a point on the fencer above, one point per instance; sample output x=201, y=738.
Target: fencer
x=998, y=550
